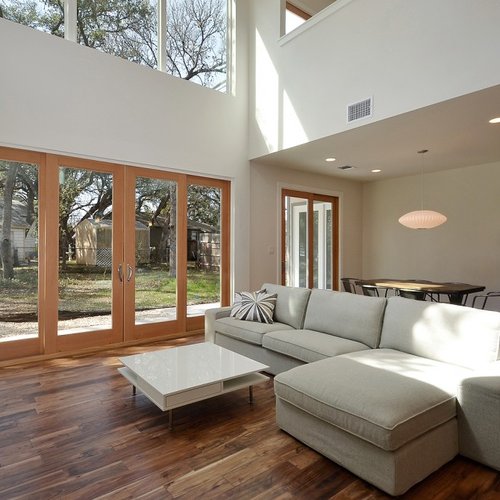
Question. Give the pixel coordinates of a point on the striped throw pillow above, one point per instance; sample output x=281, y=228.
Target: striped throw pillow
x=237, y=302
x=257, y=306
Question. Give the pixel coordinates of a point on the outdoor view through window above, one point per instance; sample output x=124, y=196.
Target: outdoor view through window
x=194, y=36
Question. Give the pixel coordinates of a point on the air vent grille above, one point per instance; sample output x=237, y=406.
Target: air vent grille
x=358, y=110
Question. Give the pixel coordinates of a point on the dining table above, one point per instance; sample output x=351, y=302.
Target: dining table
x=456, y=292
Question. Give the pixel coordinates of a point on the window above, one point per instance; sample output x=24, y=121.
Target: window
x=294, y=17
x=47, y=16
x=186, y=38
x=124, y=28
x=196, y=41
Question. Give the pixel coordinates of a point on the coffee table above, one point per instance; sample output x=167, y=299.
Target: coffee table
x=178, y=376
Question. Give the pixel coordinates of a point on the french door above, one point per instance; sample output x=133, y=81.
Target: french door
x=309, y=240
x=22, y=233
x=101, y=253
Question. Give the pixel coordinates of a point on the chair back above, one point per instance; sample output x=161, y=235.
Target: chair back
x=349, y=284
x=370, y=290
x=412, y=294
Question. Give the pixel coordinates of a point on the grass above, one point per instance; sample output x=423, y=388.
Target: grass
x=87, y=291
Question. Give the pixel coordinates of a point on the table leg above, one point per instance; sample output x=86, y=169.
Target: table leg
x=134, y=390
x=170, y=420
x=250, y=394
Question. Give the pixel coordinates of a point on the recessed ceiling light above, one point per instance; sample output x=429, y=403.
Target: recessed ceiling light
x=495, y=120
x=330, y=159
x=346, y=167
x=376, y=170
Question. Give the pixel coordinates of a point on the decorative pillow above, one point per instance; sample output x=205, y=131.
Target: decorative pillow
x=257, y=306
x=237, y=302
x=236, y=305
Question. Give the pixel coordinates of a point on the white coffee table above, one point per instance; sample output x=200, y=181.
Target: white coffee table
x=178, y=376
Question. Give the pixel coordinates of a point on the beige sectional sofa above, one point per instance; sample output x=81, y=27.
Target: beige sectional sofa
x=391, y=389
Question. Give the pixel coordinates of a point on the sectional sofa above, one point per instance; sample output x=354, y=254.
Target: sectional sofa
x=390, y=389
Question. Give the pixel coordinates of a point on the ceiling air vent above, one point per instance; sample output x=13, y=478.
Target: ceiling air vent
x=359, y=110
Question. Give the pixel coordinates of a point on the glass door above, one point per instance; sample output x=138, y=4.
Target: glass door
x=87, y=216
x=207, y=270
x=309, y=241
x=21, y=266
x=153, y=274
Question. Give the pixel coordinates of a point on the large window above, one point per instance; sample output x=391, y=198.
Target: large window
x=186, y=38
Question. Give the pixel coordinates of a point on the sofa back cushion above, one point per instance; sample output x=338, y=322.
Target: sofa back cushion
x=291, y=304
x=454, y=334
x=346, y=315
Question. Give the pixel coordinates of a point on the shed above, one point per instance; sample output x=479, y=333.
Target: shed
x=93, y=242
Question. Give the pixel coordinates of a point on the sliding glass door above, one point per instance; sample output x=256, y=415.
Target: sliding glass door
x=309, y=240
x=95, y=253
x=207, y=266
x=154, y=225
x=21, y=272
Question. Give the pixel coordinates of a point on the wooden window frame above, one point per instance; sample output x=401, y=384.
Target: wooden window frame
x=297, y=11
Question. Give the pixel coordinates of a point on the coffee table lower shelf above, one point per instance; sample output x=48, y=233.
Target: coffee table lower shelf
x=168, y=402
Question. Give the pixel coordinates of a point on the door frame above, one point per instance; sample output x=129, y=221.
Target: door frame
x=95, y=338
x=311, y=198
x=12, y=349
x=49, y=343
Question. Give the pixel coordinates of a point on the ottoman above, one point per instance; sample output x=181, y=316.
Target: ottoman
x=387, y=416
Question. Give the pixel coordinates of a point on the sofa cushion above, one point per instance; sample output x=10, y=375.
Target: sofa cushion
x=308, y=345
x=443, y=332
x=247, y=331
x=385, y=397
x=346, y=315
x=290, y=305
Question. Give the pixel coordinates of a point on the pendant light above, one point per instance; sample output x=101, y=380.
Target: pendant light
x=422, y=219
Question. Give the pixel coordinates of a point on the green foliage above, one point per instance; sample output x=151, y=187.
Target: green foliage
x=195, y=39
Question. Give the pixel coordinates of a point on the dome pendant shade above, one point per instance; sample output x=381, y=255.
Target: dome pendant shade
x=422, y=219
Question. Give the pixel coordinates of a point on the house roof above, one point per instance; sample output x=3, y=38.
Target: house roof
x=19, y=214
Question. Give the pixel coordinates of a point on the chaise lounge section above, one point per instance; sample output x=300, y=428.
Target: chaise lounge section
x=391, y=389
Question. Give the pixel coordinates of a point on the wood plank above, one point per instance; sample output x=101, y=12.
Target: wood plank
x=71, y=428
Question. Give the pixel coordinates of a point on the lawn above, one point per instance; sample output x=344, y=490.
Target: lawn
x=87, y=291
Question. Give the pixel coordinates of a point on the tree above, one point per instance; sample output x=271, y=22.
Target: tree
x=195, y=39
x=6, y=246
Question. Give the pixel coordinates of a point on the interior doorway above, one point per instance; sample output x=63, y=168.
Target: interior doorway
x=309, y=240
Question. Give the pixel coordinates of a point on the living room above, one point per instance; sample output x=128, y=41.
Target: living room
x=429, y=70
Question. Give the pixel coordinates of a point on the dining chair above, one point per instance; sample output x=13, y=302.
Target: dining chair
x=370, y=291
x=349, y=284
x=485, y=297
x=412, y=294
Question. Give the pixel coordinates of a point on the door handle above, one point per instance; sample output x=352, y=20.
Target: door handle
x=130, y=272
x=120, y=273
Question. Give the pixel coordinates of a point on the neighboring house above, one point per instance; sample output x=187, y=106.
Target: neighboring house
x=203, y=243
x=93, y=242
x=23, y=235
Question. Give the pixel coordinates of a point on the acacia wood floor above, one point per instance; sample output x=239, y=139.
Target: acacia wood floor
x=70, y=428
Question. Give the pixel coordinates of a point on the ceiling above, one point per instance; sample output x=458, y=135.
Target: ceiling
x=456, y=133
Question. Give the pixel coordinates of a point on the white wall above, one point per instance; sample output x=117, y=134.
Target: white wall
x=406, y=55
x=58, y=96
x=465, y=248
x=266, y=184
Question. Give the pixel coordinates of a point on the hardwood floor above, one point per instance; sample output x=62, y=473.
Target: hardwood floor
x=71, y=428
